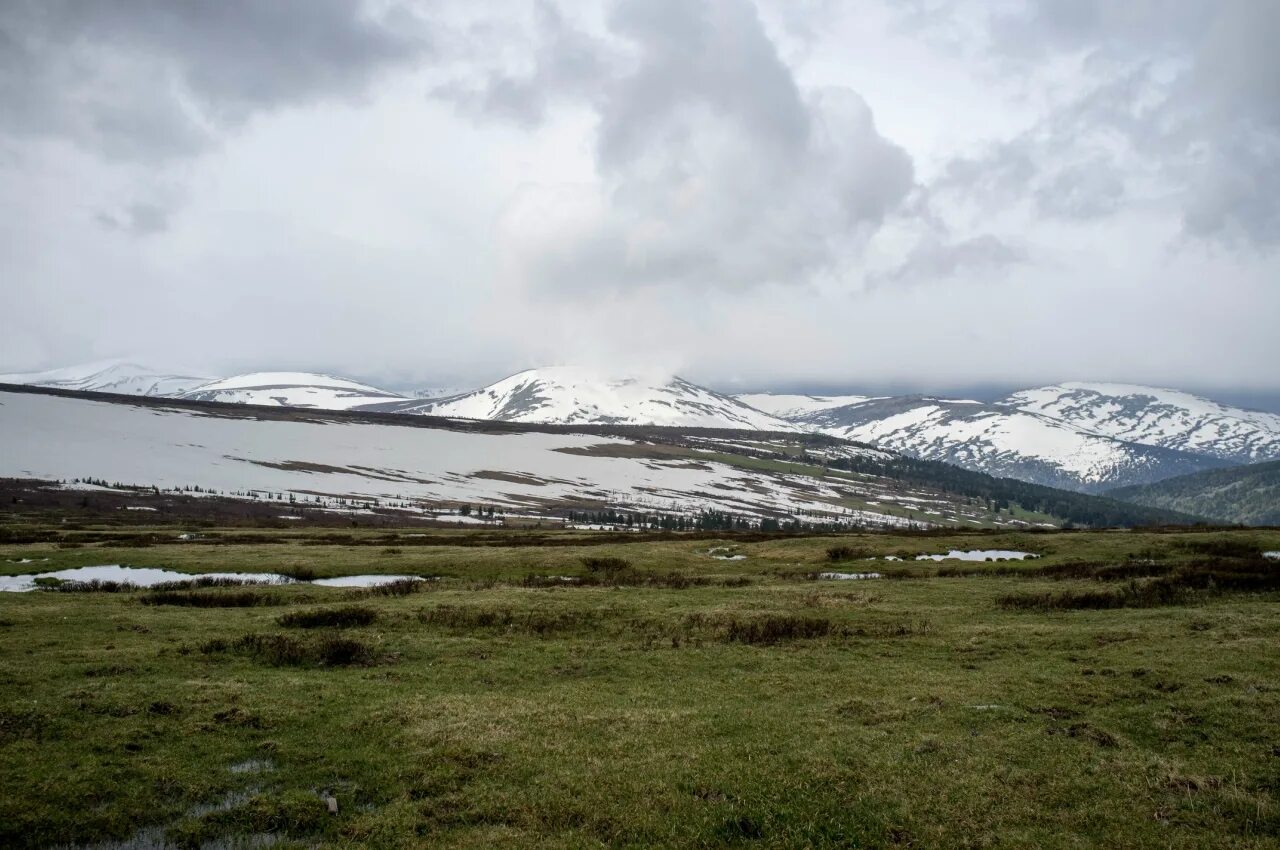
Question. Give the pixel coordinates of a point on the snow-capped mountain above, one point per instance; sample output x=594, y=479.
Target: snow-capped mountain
x=438, y=392
x=291, y=389
x=1158, y=417
x=570, y=395
x=790, y=406
x=108, y=376
x=1004, y=441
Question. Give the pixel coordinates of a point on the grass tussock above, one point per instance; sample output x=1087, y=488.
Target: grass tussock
x=91, y=586
x=475, y=618
x=330, y=650
x=776, y=628
x=771, y=629
x=628, y=577
x=399, y=587
x=298, y=573
x=204, y=582
x=606, y=565
x=211, y=598
x=329, y=618
x=1176, y=587
x=847, y=553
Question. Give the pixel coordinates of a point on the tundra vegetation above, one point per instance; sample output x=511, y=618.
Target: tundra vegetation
x=579, y=689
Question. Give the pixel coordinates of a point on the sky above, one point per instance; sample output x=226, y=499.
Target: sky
x=780, y=194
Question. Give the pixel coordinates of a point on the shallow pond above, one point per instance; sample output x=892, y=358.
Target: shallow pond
x=978, y=555
x=150, y=577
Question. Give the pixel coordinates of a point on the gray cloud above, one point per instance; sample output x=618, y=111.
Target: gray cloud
x=138, y=219
x=715, y=169
x=1181, y=95
x=934, y=259
x=144, y=79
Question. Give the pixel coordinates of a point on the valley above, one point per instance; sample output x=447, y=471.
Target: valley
x=560, y=688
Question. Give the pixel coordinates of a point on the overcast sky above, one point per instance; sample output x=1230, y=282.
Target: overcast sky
x=935, y=193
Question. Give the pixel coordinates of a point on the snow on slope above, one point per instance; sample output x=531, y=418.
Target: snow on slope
x=290, y=389
x=56, y=438
x=1003, y=441
x=1158, y=417
x=108, y=376
x=570, y=395
x=789, y=406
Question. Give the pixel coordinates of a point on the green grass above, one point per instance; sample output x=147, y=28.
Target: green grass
x=779, y=712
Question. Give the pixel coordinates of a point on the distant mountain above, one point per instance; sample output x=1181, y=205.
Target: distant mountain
x=109, y=376
x=787, y=406
x=1003, y=441
x=1245, y=494
x=291, y=389
x=568, y=395
x=1158, y=417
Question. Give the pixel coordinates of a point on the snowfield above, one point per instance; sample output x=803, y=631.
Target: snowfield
x=291, y=389
x=55, y=438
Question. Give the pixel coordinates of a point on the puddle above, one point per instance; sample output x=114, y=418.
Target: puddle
x=26, y=560
x=362, y=581
x=1275, y=556
x=721, y=553
x=849, y=576
x=978, y=555
x=252, y=766
x=150, y=577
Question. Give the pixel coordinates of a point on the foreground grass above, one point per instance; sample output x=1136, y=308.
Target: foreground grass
x=783, y=712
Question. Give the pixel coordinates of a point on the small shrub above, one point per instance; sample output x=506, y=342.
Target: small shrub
x=348, y=616
x=606, y=564
x=846, y=553
x=298, y=573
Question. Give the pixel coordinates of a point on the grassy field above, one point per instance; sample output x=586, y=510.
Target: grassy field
x=667, y=699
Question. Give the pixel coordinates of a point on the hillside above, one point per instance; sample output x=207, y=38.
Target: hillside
x=109, y=376
x=1003, y=442
x=357, y=460
x=1244, y=494
x=1153, y=416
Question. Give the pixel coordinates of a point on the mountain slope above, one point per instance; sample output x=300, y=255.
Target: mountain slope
x=790, y=406
x=290, y=389
x=568, y=395
x=108, y=376
x=1003, y=441
x=343, y=460
x=1245, y=494
x=1158, y=417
